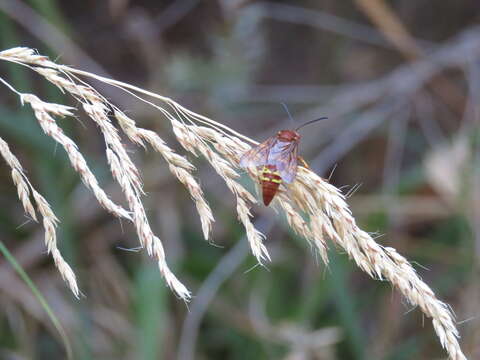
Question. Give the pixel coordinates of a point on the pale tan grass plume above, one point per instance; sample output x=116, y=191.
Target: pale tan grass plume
x=313, y=208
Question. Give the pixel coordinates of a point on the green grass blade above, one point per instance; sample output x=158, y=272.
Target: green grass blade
x=345, y=305
x=150, y=307
x=51, y=11
x=41, y=299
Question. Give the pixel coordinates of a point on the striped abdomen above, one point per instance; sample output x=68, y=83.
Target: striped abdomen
x=270, y=180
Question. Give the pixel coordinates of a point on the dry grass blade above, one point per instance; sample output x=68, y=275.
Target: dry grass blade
x=391, y=26
x=314, y=209
x=389, y=23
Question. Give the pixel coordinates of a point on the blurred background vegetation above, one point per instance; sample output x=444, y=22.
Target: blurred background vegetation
x=403, y=123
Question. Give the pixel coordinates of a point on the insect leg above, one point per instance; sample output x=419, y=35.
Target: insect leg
x=304, y=163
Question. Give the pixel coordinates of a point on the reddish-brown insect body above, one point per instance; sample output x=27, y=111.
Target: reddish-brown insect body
x=270, y=178
x=277, y=160
x=270, y=181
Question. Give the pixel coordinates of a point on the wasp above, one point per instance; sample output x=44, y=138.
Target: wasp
x=277, y=159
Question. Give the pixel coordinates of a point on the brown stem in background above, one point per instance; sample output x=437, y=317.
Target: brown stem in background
x=383, y=16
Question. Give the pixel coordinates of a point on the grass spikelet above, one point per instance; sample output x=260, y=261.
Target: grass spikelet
x=179, y=166
x=18, y=177
x=127, y=175
x=24, y=188
x=48, y=124
x=50, y=222
x=144, y=232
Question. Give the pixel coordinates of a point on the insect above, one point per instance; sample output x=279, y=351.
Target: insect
x=277, y=158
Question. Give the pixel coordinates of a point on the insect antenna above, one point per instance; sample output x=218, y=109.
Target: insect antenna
x=311, y=122
x=288, y=112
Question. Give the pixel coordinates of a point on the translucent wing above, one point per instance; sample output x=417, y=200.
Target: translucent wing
x=258, y=155
x=284, y=155
x=281, y=154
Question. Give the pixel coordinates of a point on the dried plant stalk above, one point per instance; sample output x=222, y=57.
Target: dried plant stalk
x=314, y=209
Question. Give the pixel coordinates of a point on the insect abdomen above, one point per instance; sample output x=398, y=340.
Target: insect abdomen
x=270, y=180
